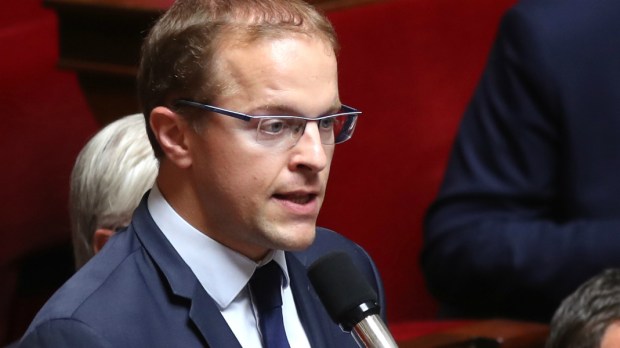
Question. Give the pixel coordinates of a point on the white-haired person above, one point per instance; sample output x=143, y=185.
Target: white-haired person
x=110, y=176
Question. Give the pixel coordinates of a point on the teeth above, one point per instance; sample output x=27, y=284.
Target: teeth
x=300, y=199
x=303, y=199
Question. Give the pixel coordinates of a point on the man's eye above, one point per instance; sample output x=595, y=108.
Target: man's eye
x=326, y=123
x=272, y=126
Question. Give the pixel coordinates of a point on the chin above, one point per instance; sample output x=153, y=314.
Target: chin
x=297, y=239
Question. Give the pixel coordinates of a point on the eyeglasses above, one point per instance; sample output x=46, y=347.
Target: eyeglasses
x=285, y=131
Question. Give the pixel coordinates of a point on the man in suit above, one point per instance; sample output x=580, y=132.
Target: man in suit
x=530, y=204
x=241, y=99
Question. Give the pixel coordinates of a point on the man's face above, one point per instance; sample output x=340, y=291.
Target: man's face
x=253, y=197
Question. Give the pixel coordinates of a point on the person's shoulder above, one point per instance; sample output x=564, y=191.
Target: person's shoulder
x=62, y=333
x=91, y=288
x=562, y=14
x=550, y=6
x=534, y=15
x=328, y=240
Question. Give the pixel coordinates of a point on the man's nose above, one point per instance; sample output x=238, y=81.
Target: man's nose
x=309, y=152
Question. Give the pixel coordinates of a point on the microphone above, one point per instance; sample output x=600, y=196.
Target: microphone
x=350, y=301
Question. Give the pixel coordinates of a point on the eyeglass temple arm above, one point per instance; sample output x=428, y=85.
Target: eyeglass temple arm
x=234, y=114
x=245, y=117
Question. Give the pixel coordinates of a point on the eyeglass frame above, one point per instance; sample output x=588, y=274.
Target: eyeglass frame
x=348, y=111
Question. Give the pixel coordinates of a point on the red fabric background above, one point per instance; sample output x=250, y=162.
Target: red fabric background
x=409, y=65
x=45, y=123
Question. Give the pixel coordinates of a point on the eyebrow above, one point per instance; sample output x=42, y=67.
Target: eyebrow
x=285, y=110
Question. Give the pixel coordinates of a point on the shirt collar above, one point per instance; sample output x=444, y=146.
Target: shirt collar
x=221, y=271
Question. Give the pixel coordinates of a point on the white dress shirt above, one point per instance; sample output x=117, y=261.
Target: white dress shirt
x=224, y=274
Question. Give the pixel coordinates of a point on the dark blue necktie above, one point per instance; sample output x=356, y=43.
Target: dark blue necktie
x=266, y=284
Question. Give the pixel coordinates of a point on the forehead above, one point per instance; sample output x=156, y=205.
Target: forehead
x=276, y=67
x=270, y=44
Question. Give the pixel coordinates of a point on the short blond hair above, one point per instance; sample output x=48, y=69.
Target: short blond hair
x=178, y=54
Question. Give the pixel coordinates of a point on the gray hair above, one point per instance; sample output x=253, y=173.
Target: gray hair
x=110, y=176
x=583, y=316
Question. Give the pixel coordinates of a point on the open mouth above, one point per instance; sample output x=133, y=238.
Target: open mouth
x=296, y=198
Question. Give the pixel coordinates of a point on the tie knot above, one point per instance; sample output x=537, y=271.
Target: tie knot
x=265, y=285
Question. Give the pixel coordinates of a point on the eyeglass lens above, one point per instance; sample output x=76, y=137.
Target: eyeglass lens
x=287, y=131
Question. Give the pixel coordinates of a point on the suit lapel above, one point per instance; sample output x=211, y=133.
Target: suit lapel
x=209, y=321
x=203, y=310
x=321, y=331
x=314, y=318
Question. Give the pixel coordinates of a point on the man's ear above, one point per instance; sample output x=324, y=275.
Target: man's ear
x=100, y=237
x=171, y=133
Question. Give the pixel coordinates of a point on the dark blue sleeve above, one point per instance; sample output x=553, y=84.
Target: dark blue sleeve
x=499, y=239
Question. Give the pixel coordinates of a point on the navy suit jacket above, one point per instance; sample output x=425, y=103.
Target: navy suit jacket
x=530, y=204
x=138, y=292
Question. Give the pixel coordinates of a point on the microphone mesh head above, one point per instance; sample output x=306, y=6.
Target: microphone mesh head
x=341, y=287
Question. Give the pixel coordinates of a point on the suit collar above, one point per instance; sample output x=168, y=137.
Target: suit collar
x=224, y=274
x=203, y=310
